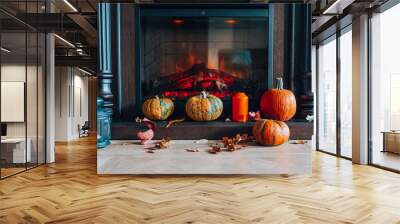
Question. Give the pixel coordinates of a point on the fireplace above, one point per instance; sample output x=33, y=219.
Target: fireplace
x=178, y=50
x=184, y=51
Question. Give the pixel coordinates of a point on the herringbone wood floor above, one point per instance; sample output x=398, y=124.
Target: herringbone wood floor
x=69, y=191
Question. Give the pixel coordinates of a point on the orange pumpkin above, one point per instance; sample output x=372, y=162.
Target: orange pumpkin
x=271, y=132
x=278, y=104
x=158, y=108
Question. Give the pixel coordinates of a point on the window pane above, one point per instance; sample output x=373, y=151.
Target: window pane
x=327, y=97
x=346, y=94
x=385, y=84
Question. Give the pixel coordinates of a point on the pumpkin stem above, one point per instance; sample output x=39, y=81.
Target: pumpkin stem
x=157, y=97
x=204, y=94
x=279, y=83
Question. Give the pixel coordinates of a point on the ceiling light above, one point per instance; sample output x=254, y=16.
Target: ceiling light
x=337, y=7
x=80, y=51
x=79, y=44
x=64, y=40
x=84, y=71
x=70, y=5
x=5, y=50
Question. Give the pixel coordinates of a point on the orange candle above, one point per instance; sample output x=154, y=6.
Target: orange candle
x=240, y=107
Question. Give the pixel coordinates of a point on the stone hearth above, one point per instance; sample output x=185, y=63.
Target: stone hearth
x=128, y=157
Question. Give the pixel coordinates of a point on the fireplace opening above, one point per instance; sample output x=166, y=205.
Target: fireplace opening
x=221, y=53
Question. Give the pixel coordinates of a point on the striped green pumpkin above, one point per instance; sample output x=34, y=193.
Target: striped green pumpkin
x=204, y=107
x=158, y=108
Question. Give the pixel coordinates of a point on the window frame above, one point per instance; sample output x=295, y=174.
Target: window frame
x=336, y=36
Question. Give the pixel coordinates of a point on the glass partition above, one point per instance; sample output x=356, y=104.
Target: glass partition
x=233, y=49
x=22, y=78
x=15, y=149
x=32, y=97
x=221, y=53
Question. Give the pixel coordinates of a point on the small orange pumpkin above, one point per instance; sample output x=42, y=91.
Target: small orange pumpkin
x=271, y=132
x=158, y=108
x=278, y=104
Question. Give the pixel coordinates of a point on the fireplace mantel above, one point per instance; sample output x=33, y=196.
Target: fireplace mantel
x=214, y=130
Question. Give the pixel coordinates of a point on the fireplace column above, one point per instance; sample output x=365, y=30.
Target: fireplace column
x=104, y=64
x=104, y=75
x=298, y=48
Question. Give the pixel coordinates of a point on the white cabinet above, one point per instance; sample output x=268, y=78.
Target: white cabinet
x=13, y=150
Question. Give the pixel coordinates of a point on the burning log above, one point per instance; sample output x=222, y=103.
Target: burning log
x=199, y=77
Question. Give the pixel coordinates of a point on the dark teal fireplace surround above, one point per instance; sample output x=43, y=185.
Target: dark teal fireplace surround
x=119, y=58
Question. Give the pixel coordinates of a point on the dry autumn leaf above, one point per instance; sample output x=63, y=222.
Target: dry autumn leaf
x=163, y=143
x=231, y=144
x=215, y=149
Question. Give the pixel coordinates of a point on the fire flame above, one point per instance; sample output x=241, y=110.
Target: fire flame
x=218, y=63
x=179, y=68
x=222, y=64
x=193, y=59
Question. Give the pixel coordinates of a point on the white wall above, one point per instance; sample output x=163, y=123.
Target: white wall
x=62, y=82
x=80, y=112
x=71, y=102
x=17, y=73
x=9, y=73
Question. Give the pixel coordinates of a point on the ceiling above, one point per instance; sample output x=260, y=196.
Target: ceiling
x=75, y=21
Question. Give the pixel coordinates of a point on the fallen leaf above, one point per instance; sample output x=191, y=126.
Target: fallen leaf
x=172, y=122
x=163, y=143
x=215, y=149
